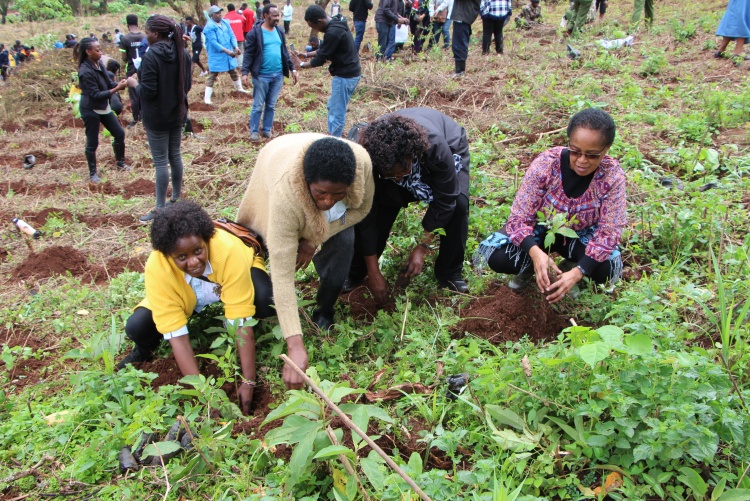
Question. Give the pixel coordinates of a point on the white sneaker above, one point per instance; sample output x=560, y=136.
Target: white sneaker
x=203, y=73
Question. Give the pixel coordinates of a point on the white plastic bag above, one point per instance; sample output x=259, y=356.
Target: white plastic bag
x=402, y=33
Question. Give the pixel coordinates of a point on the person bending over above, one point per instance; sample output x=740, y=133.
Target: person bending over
x=307, y=191
x=418, y=155
x=193, y=264
x=582, y=182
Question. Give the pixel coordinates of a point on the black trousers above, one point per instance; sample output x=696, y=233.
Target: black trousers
x=389, y=202
x=332, y=263
x=141, y=329
x=512, y=260
x=461, y=37
x=492, y=27
x=91, y=121
x=135, y=101
x=286, y=27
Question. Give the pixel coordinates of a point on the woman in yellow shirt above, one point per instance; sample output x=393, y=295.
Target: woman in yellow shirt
x=193, y=265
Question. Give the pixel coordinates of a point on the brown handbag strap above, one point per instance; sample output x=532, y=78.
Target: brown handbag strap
x=249, y=237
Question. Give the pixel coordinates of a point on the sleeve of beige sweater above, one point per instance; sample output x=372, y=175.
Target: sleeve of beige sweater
x=283, y=239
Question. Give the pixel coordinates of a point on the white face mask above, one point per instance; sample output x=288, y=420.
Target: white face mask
x=336, y=212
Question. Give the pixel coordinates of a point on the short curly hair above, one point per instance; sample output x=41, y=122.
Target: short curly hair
x=390, y=138
x=180, y=220
x=594, y=119
x=330, y=159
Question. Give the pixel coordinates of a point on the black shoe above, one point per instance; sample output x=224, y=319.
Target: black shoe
x=147, y=218
x=132, y=124
x=351, y=283
x=138, y=354
x=323, y=321
x=122, y=166
x=457, y=284
x=94, y=178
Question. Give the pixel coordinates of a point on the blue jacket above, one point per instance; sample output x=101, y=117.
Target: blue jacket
x=254, y=52
x=219, y=36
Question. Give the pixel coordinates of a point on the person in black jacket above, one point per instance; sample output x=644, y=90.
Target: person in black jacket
x=162, y=86
x=418, y=155
x=359, y=10
x=337, y=47
x=96, y=90
x=267, y=60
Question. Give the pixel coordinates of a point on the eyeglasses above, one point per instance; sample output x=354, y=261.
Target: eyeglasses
x=405, y=167
x=589, y=156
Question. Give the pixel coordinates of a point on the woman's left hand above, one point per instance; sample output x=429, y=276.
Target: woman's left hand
x=246, y=398
x=565, y=282
x=416, y=261
x=305, y=252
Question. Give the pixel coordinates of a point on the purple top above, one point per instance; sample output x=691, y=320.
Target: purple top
x=601, y=205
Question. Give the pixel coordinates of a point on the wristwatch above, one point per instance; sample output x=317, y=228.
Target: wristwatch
x=583, y=272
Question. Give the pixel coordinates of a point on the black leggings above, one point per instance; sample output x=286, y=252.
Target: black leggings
x=512, y=260
x=141, y=329
x=493, y=27
x=91, y=121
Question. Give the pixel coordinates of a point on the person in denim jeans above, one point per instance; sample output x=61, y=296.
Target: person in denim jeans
x=338, y=48
x=386, y=19
x=267, y=60
x=359, y=9
x=447, y=33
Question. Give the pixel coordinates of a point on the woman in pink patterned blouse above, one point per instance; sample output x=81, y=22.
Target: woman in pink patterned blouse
x=584, y=183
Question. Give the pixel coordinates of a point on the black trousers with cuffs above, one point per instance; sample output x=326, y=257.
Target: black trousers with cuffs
x=141, y=329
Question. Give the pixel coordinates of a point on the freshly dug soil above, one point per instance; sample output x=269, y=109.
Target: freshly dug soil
x=504, y=315
x=57, y=260
x=39, y=219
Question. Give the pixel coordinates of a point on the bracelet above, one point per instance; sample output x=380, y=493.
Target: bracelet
x=583, y=272
x=248, y=382
x=422, y=244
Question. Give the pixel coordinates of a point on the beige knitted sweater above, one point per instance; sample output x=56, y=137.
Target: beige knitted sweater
x=278, y=205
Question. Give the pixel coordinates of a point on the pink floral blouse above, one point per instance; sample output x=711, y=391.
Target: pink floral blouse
x=602, y=204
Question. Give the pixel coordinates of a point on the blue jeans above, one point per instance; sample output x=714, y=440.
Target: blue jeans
x=447, y=33
x=391, y=48
x=359, y=30
x=266, y=90
x=383, y=34
x=341, y=91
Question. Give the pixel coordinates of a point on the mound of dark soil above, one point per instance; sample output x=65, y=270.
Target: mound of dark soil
x=139, y=188
x=505, y=315
x=200, y=106
x=57, y=260
x=24, y=188
x=39, y=219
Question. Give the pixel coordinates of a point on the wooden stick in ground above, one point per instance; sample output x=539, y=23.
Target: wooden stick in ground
x=348, y=422
x=347, y=464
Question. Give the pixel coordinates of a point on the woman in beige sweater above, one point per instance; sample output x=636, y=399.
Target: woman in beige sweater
x=307, y=191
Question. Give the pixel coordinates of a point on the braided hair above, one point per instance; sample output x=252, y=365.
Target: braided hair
x=79, y=52
x=168, y=30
